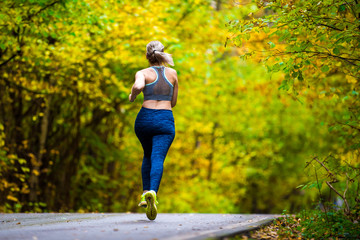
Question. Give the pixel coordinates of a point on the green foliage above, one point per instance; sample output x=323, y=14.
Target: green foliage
x=308, y=36
x=313, y=44
x=317, y=224
x=328, y=224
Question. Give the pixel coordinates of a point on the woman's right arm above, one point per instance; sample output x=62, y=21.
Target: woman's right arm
x=138, y=86
x=175, y=93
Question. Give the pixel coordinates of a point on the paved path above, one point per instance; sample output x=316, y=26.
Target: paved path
x=88, y=226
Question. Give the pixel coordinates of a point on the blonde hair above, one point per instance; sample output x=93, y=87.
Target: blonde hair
x=155, y=54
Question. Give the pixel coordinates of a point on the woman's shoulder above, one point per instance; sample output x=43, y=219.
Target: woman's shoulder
x=145, y=71
x=171, y=71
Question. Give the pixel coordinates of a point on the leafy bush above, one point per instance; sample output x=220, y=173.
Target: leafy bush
x=318, y=224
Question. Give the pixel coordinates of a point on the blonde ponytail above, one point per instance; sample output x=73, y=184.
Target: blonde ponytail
x=155, y=54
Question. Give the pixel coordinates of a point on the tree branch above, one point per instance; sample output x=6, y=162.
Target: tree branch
x=357, y=199
x=347, y=185
x=97, y=53
x=25, y=88
x=186, y=13
x=352, y=9
x=337, y=29
x=346, y=124
x=28, y=18
x=8, y=60
x=323, y=165
x=343, y=198
x=349, y=60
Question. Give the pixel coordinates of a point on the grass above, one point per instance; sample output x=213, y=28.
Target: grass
x=310, y=224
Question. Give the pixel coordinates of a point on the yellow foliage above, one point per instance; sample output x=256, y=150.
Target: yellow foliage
x=351, y=79
x=35, y=172
x=12, y=198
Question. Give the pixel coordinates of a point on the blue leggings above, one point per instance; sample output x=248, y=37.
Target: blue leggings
x=155, y=129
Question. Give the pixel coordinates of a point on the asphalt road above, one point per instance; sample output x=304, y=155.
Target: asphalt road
x=75, y=226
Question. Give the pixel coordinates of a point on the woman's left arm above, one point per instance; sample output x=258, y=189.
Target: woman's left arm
x=138, y=86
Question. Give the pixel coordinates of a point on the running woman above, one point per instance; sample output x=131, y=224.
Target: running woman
x=154, y=124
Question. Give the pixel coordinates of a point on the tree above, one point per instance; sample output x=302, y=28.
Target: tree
x=314, y=44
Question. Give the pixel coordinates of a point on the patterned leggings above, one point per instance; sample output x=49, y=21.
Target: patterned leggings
x=155, y=129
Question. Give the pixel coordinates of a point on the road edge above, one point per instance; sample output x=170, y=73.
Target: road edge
x=237, y=231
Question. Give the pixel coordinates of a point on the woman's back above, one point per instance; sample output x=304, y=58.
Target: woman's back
x=152, y=74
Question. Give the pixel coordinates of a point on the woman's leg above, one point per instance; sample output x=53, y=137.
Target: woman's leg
x=160, y=146
x=142, y=133
x=146, y=143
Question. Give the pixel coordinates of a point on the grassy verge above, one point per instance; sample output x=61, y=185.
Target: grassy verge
x=314, y=224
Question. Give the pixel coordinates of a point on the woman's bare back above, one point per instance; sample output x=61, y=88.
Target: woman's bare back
x=150, y=76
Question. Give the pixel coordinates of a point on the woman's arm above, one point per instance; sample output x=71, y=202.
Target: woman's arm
x=138, y=86
x=175, y=93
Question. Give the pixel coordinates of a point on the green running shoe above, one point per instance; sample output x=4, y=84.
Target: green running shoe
x=142, y=202
x=151, y=210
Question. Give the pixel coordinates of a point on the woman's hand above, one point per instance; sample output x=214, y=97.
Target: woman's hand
x=130, y=98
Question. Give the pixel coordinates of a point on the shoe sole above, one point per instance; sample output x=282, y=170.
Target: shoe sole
x=143, y=204
x=151, y=210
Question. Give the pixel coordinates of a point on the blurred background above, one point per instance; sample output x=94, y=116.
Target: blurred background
x=67, y=142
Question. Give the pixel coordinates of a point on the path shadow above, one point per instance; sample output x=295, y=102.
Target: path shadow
x=140, y=221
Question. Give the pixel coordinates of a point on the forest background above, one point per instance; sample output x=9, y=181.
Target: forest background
x=250, y=137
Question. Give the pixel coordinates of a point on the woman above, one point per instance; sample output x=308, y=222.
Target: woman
x=154, y=125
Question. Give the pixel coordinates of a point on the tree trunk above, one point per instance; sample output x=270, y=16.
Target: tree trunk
x=35, y=173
